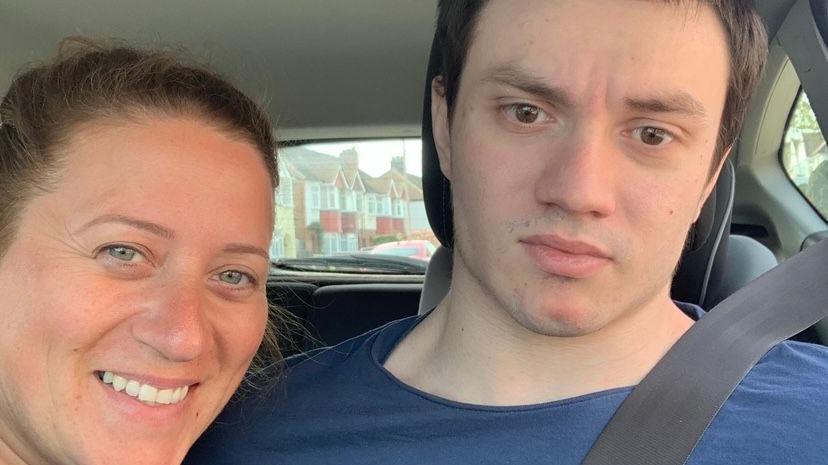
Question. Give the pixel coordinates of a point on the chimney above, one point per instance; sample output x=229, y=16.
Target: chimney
x=349, y=159
x=398, y=163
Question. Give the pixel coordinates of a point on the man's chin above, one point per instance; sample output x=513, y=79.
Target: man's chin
x=559, y=320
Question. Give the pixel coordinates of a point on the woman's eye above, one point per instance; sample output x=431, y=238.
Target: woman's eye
x=525, y=113
x=122, y=253
x=652, y=136
x=235, y=277
x=124, y=261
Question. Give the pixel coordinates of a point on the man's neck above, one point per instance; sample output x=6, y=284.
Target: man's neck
x=466, y=352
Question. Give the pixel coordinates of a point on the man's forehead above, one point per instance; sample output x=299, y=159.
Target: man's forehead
x=547, y=44
x=525, y=19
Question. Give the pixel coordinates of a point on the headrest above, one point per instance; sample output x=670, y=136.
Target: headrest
x=701, y=262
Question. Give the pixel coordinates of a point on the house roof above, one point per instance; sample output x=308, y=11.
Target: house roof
x=356, y=179
x=309, y=165
x=287, y=168
x=313, y=166
x=412, y=185
x=380, y=186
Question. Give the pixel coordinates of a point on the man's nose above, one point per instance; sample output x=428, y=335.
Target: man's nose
x=176, y=325
x=579, y=174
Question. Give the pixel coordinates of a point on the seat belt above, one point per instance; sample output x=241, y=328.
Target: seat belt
x=664, y=417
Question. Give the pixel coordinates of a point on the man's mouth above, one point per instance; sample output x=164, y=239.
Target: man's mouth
x=144, y=392
x=565, y=258
x=569, y=247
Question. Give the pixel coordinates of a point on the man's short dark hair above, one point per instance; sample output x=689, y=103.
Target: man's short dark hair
x=748, y=46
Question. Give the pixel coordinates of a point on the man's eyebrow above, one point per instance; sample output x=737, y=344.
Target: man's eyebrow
x=677, y=102
x=246, y=249
x=148, y=226
x=526, y=81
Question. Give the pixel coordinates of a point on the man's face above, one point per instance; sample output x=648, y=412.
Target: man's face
x=579, y=153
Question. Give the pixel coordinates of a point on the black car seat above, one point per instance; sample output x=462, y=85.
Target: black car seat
x=714, y=264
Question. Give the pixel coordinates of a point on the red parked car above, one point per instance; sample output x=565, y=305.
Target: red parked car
x=418, y=249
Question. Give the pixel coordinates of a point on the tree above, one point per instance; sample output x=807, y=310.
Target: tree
x=316, y=229
x=803, y=117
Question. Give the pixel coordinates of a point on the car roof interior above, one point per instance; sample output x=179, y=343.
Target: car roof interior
x=329, y=69
x=332, y=70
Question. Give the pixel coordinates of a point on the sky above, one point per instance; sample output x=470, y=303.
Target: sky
x=375, y=155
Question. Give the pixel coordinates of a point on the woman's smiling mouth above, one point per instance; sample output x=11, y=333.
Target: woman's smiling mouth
x=144, y=392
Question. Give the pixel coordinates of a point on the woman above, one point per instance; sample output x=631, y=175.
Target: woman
x=136, y=209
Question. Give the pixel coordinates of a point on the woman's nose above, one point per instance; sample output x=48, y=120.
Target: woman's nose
x=176, y=325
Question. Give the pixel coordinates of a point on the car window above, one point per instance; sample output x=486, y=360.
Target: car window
x=400, y=251
x=338, y=200
x=805, y=155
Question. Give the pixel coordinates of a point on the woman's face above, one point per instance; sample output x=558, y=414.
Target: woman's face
x=132, y=299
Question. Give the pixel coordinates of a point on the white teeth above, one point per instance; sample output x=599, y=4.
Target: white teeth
x=176, y=396
x=146, y=393
x=164, y=396
x=133, y=387
x=118, y=383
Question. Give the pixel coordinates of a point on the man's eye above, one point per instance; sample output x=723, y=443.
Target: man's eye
x=525, y=113
x=652, y=136
x=235, y=277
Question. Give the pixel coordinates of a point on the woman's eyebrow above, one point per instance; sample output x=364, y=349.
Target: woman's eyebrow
x=246, y=249
x=167, y=233
x=148, y=226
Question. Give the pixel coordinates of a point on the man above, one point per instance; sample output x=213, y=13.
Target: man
x=581, y=139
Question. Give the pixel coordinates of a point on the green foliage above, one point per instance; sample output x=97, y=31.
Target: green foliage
x=377, y=240
x=804, y=118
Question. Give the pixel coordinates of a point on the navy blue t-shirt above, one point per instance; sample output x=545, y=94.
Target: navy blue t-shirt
x=339, y=406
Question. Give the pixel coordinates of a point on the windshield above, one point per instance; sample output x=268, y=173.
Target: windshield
x=340, y=201
x=401, y=252
x=354, y=263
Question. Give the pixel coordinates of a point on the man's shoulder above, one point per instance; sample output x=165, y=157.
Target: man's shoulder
x=777, y=412
x=283, y=410
x=322, y=375
x=794, y=361
x=360, y=349
x=792, y=375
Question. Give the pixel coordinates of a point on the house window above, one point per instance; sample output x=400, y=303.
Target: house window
x=359, y=200
x=277, y=245
x=385, y=207
x=312, y=216
x=348, y=201
x=284, y=197
x=399, y=208
x=331, y=244
x=314, y=196
x=372, y=204
x=330, y=198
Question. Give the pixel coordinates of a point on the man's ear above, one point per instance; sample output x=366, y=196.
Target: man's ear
x=711, y=182
x=440, y=125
